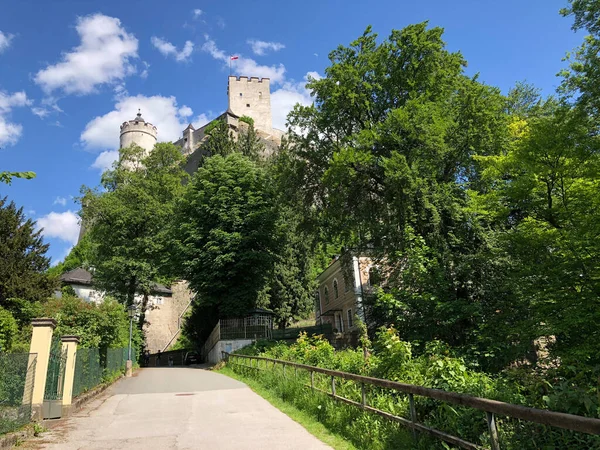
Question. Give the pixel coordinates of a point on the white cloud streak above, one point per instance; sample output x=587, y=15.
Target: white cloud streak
x=60, y=201
x=5, y=41
x=102, y=58
x=245, y=66
x=197, y=13
x=167, y=49
x=262, y=47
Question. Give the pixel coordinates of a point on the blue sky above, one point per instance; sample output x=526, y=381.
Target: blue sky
x=72, y=71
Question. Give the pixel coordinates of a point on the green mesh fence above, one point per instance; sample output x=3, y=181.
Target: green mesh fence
x=91, y=368
x=16, y=389
x=88, y=371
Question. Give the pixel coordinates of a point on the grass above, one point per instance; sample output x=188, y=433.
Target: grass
x=310, y=423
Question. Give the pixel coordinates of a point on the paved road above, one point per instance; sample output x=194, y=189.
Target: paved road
x=178, y=408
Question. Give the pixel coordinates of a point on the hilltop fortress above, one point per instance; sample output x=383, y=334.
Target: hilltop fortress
x=250, y=97
x=247, y=96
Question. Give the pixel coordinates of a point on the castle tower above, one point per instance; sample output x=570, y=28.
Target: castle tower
x=251, y=97
x=139, y=132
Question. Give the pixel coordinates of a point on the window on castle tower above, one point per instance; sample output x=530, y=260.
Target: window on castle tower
x=241, y=95
x=248, y=105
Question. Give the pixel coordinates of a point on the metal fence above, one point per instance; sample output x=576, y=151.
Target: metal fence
x=251, y=327
x=256, y=326
x=88, y=371
x=91, y=369
x=16, y=389
x=335, y=383
x=294, y=333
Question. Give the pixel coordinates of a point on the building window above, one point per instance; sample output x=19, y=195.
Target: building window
x=326, y=294
x=318, y=299
x=259, y=94
x=340, y=324
x=248, y=105
x=241, y=95
x=374, y=277
x=336, y=293
x=350, y=318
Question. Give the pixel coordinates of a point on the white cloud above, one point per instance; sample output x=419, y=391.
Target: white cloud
x=5, y=40
x=60, y=201
x=11, y=132
x=197, y=13
x=105, y=160
x=64, y=226
x=8, y=102
x=185, y=111
x=103, y=57
x=168, y=49
x=284, y=99
x=102, y=132
x=261, y=47
x=245, y=66
x=42, y=113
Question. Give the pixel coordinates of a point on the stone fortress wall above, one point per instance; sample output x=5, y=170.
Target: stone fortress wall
x=251, y=97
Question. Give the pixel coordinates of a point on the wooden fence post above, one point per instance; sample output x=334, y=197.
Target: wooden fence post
x=333, y=385
x=413, y=413
x=363, y=394
x=312, y=380
x=491, y=420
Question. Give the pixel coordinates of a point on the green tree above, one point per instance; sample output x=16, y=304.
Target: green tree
x=581, y=80
x=292, y=284
x=225, y=231
x=545, y=204
x=128, y=221
x=23, y=277
x=219, y=139
x=382, y=162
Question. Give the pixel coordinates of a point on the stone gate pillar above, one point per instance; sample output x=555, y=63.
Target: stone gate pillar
x=69, y=346
x=41, y=340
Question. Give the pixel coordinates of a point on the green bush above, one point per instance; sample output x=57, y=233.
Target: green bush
x=8, y=329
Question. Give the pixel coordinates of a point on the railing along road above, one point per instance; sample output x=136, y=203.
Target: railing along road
x=490, y=407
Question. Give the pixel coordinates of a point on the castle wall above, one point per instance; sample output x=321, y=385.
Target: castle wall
x=162, y=320
x=251, y=97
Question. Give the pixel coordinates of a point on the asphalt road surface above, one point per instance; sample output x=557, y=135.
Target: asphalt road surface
x=177, y=408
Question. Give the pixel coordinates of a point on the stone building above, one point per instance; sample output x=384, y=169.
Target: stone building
x=341, y=291
x=164, y=312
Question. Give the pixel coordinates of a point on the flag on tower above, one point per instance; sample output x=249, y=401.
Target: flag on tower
x=234, y=57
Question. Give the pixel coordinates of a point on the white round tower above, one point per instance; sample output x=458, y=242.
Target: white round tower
x=138, y=132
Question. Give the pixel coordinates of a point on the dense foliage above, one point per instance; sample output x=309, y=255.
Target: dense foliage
x=127, y=222
x=391, y=358
x=104, y=325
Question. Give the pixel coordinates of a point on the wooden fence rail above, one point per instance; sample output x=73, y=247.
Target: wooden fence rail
x=490, y=407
